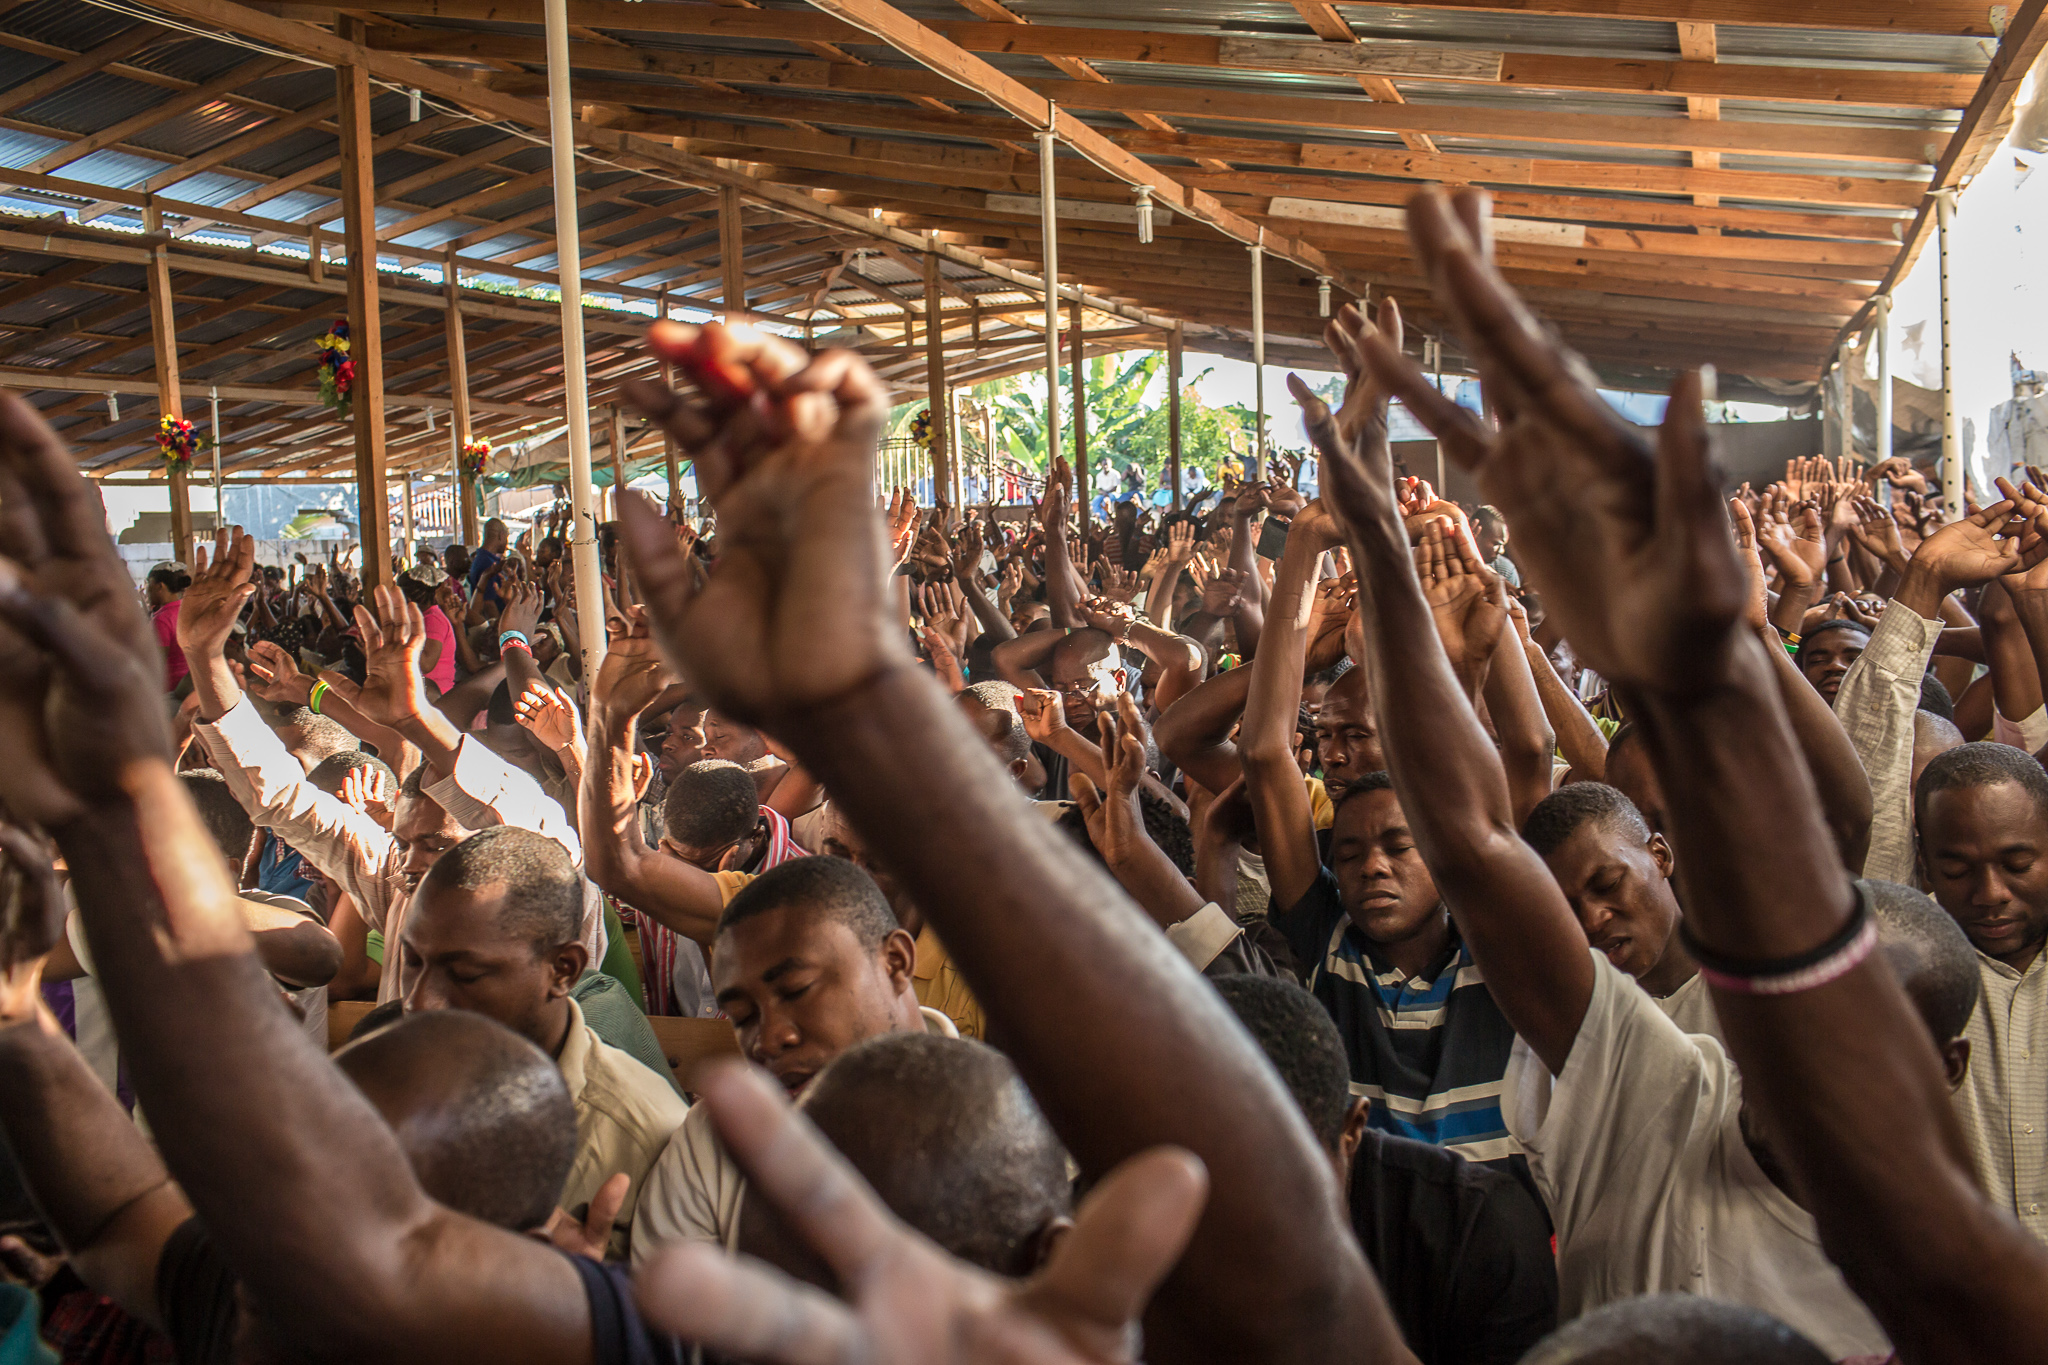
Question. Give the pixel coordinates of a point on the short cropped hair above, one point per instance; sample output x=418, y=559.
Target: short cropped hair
x=948, y=1135
x=829, y=888
x=1558, y=816
x=1381, y=781
x=1983, y=764
x=543, y=897
x=1930, y=955
x=1934, y=698
x=1301, y=1041
x=222, y=814
x=1675, y=1329
x=710, y=803
x=330, y=772
x=483, y=1115
x=1001, y=698
x=318, y=734
x=1839, y=623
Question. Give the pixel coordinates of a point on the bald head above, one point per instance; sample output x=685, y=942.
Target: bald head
x=483, y=1115
x=950, y=1139
x=1933, y=736
x=1675, y=1329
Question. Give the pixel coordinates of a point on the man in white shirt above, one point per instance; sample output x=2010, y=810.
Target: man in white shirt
x=459, y=787
x=808, y=961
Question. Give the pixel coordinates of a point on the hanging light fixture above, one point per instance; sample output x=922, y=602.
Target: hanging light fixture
x=1322, y=296
x=430, y=421
x=1145, y=214
x=113, y=407
x=413, y=101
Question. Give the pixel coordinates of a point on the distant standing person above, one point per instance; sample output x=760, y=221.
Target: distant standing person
x=165, y=590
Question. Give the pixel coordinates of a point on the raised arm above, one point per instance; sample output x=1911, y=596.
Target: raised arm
x=1507, y=906
x=303, y=1189
x=1641, y=572
x=1048, y=943
x=1195, y=732
x=679, y=896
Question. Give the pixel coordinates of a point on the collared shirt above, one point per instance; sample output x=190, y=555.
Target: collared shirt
x=625, y=1116
x=2003, y=1103
x=357, y=852
x=694, y=1190
x=1875, y=704
x=1637, y=1147
x=1429, y=1050
x=940, y=986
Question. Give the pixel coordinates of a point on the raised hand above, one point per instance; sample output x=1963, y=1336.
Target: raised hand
x=1877, y=532
x=1793, y=539
x=81, y=678
x=903, y=1300
x=903, y=524
x=548, y=715
x=1180, y=543
x=393, y=693
x=1629, y=546
x=1358, y=483
x=220, y=586
x=1759, y=611
x=1223, y=591
x=521, y=611
x=1119, y=583
x=1045, y=715
x=1116, y=824
x=633, y=672
x=1114, y=615
x=273, y=675
x=1988, y=543
x=1336, y=600
x=1457, y=586
x=369, y=790
x=591, y=1237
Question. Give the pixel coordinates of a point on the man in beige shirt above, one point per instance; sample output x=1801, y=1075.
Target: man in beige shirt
x=808, y=961
x=493, y=930
x=1982, y=816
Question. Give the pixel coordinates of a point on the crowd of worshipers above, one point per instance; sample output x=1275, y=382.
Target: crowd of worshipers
x=1603, y=925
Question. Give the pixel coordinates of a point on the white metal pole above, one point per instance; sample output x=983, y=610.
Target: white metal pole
x=1259, y=356
x=576, y=389
x=1882, y=317
x=220, y=511
x=1048, y=202
x=1951, y=439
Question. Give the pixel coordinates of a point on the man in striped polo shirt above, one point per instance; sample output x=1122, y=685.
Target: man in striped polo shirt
x=1369, y=931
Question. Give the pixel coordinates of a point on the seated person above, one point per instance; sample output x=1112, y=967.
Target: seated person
x=1462, y=1252
x=1616, y=874
x=493, y=930
x=953, y=1143
x=808, y=961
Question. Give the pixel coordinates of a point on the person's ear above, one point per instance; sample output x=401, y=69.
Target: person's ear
x=1123, y=678
x=1955, y=1061
x=899, y=959
x=1660, y=853
x=565, y=968
x=1354, y=1129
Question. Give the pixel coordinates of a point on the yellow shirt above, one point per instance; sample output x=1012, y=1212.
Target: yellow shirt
x=940, y=987
x=625, y=1115
x=1319, y=803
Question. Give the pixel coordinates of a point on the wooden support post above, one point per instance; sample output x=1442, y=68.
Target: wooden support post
x=316, y=254
x=1079, y=365
x=668, y=442
x=464, y=525
x=1173, y=340
x=731, y=254
x=945, y=484
x=170, y=397
x=405, y=520
x=365, y=323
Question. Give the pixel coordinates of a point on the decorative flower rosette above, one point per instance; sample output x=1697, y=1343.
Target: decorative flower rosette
x=337, y=371
x=921, y=429
x=475, y=455
x=179, y=441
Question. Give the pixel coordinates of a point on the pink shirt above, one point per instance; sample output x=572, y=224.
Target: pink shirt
x=166, y=622
x=442, y=674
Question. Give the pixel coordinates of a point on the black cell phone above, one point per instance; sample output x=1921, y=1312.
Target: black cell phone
x=1273, y=539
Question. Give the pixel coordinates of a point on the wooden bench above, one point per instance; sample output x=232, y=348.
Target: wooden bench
x=687, y=1042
